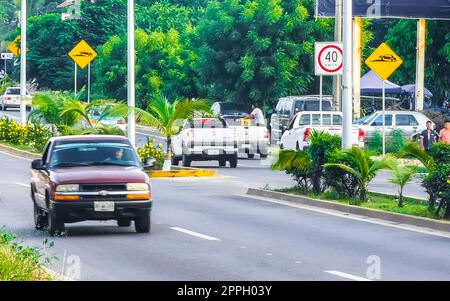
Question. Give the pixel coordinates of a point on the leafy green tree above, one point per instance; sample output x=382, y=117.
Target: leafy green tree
x=403, y=36
x=256, y=51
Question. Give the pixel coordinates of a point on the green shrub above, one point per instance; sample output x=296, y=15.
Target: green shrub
x=342, y=182
x=34, y=135
x=395, y=142
x=375, y=144
x=440, y=153
x=152, y=150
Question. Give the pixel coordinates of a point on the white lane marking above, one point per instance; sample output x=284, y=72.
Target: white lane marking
x=348, y=276
x=411, y=228
x=14, y=156
x=194, y=233
x=22, y=184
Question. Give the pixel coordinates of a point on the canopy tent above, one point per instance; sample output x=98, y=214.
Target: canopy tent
x=371, y=83
x=412, y=89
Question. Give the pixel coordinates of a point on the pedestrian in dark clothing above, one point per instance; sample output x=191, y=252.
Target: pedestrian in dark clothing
x=428, y=137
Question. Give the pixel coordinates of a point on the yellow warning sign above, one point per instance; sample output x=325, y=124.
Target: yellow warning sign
x=14, y=47
x=82, y=54
x=384, y=61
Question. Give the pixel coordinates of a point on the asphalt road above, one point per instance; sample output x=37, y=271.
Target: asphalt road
x=206, y=229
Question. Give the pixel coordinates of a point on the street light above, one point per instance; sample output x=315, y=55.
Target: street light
x=347, y=89
x=131, y=80
x=23, y=62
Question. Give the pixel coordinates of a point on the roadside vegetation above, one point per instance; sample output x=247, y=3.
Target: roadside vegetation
x=21, y=263
x=326, y=171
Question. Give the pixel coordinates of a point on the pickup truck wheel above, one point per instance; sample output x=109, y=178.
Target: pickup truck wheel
x=124, y=223
x=222, y=163
x=40, y=218
x=175, y=161
x=233, y=162
x=186, y=161
x=297, y=146
x=55, y=225
x=142, y=224
x=251, y=156
x=263, y=156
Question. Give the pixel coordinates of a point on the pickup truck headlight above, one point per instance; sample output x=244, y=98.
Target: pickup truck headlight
x=68, y=188
x=138, y=187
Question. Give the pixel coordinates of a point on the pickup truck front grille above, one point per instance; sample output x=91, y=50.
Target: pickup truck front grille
x=104, y=187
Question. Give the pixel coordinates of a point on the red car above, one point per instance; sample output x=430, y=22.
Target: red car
x=90, y=178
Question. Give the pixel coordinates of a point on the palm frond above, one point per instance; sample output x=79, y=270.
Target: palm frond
x=291, y=159
x=415, y=151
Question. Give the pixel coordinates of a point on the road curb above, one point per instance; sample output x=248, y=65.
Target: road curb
x=372, y=213
x=183, y=173
x=18, y=152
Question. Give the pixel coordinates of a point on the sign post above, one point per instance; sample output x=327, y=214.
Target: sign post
x=328, y=60
x=83, y=54
x=6, y=56
x=384, y=61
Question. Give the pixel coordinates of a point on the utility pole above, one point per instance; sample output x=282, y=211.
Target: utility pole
x=131, y=75
x=337, y=80
x=23, y=62
x=347, y=89
x=420, y=63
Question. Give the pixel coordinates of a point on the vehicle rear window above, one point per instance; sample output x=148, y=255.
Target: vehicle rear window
x=13, y=91
x=315, y=119
x=76, y=154
x=315, y=106
x=208, y=123
x=305, y=119
x=326, y=119
x=337, y=120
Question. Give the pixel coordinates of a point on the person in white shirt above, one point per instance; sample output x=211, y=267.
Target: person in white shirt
x=256, y=114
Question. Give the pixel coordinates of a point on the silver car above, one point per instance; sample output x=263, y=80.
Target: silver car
x=410, y=122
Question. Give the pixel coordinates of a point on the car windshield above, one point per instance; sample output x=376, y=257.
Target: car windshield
x=93, y=154
x=232, y=109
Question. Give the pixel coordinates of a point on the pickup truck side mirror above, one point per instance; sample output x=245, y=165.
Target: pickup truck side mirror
x=149, y=162
x=283, y=128
x=37, y=164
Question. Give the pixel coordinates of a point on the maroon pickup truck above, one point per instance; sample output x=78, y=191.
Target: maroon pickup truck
x=90, y=178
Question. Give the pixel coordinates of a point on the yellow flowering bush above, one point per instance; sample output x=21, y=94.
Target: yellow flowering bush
x=34, y=135
x=153, y=150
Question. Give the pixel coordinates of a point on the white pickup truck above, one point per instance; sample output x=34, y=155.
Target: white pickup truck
x=252, y=139
x=297, y=134
x=205, y=139
x=11, y=99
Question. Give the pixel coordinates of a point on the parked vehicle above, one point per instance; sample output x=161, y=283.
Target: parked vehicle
x=253, y=139
x=286, y=109
x=90, y=178
x=297, y=134
x=206, y=139
x=221, y=109
x=410, y=122
x=11, y=99
x=97, y=118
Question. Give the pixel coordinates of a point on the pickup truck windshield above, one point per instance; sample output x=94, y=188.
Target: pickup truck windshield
x=207, y=123
x=13, y=91
x=93, y=154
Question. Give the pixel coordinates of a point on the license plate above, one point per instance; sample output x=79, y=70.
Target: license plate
x=213, y=152
x=104, y=206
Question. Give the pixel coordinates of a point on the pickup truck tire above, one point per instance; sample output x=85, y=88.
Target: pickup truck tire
x=251, y=156
x=142, y=224
x=55, y=225
x=124, y=223
x=40, y=218
x=186, y=161
x=222, y=163
x=175, y=161
x=3, y=108
x=233, y=162
x=263, y=156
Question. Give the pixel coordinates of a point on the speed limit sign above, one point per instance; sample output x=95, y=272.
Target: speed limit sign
x=328, y=58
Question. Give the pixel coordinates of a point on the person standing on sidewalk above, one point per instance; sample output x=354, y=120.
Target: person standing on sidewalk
x=444, y=135
x=428, y=137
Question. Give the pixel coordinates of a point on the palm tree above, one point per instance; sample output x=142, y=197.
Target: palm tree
x=296, y=163
x=401, y=176
x=166, y=117
x=366, y=168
